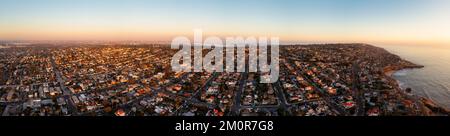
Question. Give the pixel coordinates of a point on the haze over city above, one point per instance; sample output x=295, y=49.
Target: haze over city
x=400, y=22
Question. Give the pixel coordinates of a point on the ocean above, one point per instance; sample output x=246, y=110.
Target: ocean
x=432, y=81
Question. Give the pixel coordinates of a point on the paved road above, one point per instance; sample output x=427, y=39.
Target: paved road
x=358, y=94
x=5, y=75
x=66, y=92
x=281, y=96
x=327, y=98
x=155, y=92
x=238, y=94
x=160, y=89
x=193, y=98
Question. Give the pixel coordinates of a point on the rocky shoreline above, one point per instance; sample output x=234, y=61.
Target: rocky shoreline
x=427, y=106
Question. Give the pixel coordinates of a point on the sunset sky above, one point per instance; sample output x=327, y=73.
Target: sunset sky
x=370, y=21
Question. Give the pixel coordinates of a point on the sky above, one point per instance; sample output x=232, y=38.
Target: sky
x=400, y=22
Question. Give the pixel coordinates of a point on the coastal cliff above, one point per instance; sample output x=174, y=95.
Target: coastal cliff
x=427, y=106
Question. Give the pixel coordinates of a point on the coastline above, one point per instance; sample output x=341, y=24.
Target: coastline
x=427, y=106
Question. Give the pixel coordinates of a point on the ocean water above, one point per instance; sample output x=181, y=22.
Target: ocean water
x=432, y=81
